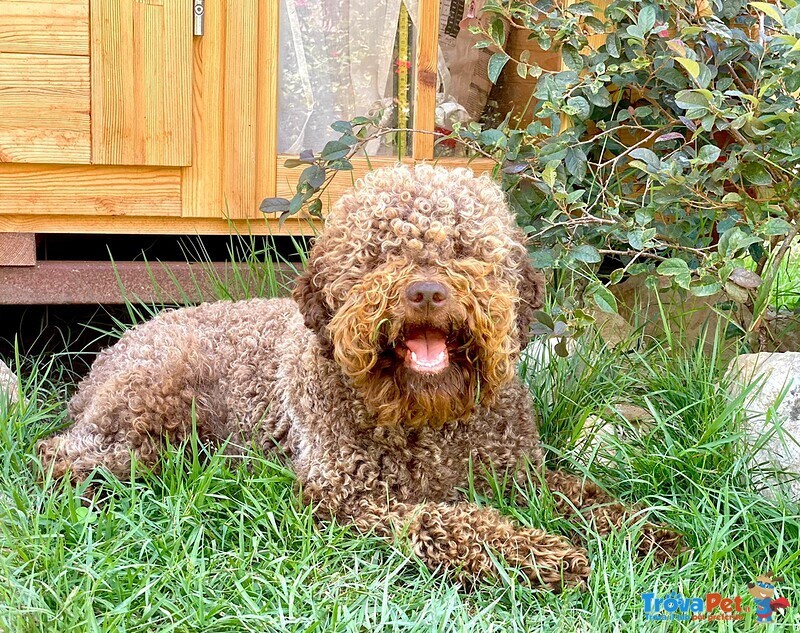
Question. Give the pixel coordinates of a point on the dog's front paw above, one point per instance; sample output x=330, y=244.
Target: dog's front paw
x=548, y=560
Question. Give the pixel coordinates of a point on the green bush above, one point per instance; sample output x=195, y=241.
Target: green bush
x=672, y=149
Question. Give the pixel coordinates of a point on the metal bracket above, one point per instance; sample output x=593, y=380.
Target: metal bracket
x=199, y=17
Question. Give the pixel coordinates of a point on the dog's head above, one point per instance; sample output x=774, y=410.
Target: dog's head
x=421, y=289
x=763, y=586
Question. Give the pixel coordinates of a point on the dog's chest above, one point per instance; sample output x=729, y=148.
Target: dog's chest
x=426, y=464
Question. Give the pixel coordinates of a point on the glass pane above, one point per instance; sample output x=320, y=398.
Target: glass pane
x=340, y=59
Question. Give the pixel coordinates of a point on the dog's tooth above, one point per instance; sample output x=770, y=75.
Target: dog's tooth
x=414, y=357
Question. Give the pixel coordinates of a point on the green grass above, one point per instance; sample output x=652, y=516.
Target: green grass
x=218, y=544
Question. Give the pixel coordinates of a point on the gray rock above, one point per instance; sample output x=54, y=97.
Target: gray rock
x=616, y=424
x=612, y=328
x=772, y=407
x=8, y=383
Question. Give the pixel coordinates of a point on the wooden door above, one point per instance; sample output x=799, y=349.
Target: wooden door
x=105, y=82
x=141, y=52
x=133, y=125
x=45, y=97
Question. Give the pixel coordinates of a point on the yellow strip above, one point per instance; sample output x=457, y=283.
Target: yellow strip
x=402, y=80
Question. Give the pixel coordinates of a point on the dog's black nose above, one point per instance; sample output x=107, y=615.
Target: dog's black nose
x=427, y=294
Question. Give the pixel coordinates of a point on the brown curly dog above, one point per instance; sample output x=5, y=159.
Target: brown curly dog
x=387, y=381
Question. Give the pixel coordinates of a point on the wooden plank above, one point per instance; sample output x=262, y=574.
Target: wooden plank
x=110, y=191
x=426, y=77
x=141, y=82
x=17, y=249
x=44, y=109
x=152, y=225
x=235, y=97
x=202, y=182
x=88, y=282
x=287, y=178
x=46, y=27
x=267, y=138
x=241, y=107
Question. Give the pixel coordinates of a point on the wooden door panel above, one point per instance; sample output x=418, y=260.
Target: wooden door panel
x=47, y=27
x=44, y=109
x=141, y=54
x=235, y=109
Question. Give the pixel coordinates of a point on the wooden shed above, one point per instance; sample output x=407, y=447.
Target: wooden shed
x=164, y=117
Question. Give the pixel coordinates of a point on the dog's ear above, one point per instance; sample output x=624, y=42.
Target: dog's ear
x=311, y=301
x=531, y=298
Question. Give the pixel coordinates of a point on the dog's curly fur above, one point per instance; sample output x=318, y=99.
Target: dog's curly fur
x=374, y=441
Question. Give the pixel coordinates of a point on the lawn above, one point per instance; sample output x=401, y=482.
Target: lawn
x=215, y=544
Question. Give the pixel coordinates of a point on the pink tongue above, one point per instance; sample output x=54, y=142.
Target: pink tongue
x=427, y=346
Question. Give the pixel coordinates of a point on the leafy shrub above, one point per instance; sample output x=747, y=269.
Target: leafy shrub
x=671, y=149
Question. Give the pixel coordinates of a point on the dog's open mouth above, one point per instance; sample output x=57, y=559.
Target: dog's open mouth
x=425, y=350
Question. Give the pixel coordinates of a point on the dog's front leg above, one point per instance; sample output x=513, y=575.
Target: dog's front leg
x=573, y=493
x=463, y=538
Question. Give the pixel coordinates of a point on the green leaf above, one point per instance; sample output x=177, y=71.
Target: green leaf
x=296, y=203
x=732, y=198
x=708, y=154
x=593, y=23
x=492, y=138
x=603, y=298
x=496, y=64
x=601, y=98
x=673, y=266
x=313, y=175
x=613, y=45
x=340, y=164
x=733, y=241
x=705, y=286
x=616, y=276
x=274, y=205
x=776, y=226
x=691, y=66
x=770, y=9
x=639, y=238
x=334, y=150
x=572, y=58
x=635, y=32
x=756, y=174
x=690, y=99
x=647, y=18
x=343, y=127
x=542, y=259
x=791, y=20
x=648, y=156
x=561, y=349
x=575, y=163
x=497, y=31
x=586, y=253
x=581, y=107
x=582, y=8
x=315, y=208
x=545, y=319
